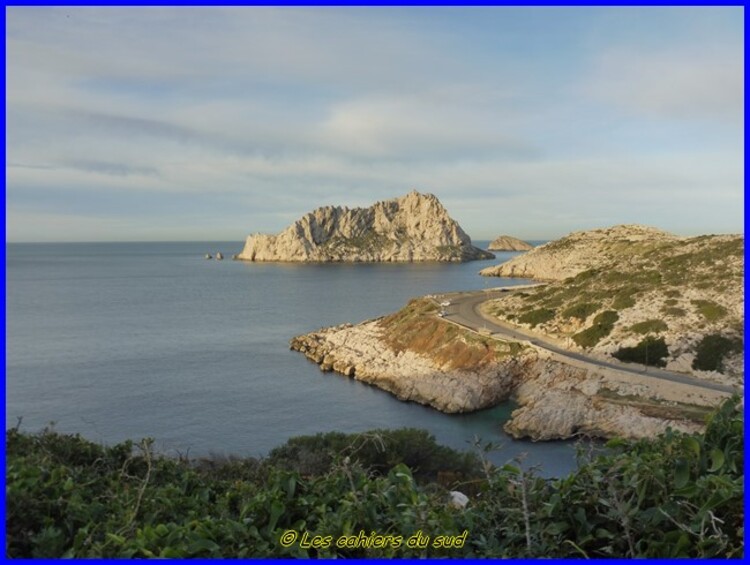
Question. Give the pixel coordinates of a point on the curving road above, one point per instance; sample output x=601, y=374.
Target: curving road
x=464, y=310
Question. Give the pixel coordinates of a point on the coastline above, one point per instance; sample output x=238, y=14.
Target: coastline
x=461, y=371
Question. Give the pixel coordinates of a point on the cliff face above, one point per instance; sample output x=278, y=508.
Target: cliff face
x=415, y=227
x=508, y=243
x=420, y=357
x=580, y=251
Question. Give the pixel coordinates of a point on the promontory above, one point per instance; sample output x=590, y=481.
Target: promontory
x=414, y=227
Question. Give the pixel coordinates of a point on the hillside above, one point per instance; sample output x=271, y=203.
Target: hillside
x=638, y=294
x=580, y=251
x=415, y=227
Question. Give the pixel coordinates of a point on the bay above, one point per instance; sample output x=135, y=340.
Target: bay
x=131, y=340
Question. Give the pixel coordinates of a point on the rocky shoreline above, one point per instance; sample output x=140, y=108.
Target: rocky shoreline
x=556, y=400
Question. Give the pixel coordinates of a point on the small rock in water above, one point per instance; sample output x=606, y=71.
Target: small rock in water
x=208, y=256
x=219, y=256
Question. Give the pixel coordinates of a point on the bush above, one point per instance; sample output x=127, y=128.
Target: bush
x=624, y=298
x=673, y=311
x=681, y=494
x=601, y=328
x=649, y=326
x=711, y=350
x=710, y=310
x=650, y=351
x=536, y=317
x=582, y=310
x=377, y=451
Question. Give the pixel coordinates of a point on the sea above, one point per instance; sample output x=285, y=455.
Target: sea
x=120, y=341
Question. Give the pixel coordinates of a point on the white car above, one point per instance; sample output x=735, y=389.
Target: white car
x=446, y=303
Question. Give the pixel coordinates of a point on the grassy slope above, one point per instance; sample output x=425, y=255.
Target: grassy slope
x=417, y=328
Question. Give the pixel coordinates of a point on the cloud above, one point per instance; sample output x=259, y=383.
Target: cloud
x=691, y=82
x=258, y=115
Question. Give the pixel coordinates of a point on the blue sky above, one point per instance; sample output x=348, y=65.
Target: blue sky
x=209, y=124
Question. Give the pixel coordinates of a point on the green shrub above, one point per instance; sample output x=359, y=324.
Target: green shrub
x=536, y=317
x=649, y=326
x=671, y=302
x=682, y=496
x=650, y=351
x=711, y=350
x=601, y=328
x=378, y=451
x=624, y=298
x=673, y=311
x=582, y=310
x=710, y=310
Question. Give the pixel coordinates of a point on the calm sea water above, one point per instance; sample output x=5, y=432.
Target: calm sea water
x=128, y=340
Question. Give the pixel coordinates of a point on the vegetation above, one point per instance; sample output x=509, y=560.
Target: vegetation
x=710, y=310
x=582, y=310
x=379, y=451
x=676, y=496
x=624, y=298
x=650, y=351
x=649, y=326
x=673, y=311
x=712, y=350
x=416, y=328
x=601, y=328
x=536, y=317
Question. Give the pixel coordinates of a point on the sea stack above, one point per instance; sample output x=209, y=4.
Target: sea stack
x=414, y=227
x=508, y=243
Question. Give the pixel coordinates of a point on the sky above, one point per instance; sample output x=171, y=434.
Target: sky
x=158, y=124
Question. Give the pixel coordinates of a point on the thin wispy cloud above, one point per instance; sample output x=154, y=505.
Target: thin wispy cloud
x=219, y=122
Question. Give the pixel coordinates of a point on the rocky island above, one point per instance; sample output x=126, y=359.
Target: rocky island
x=508, y=243
x=415, y=227
x=424, y=355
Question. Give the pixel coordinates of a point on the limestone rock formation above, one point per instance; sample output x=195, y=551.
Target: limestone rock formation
x=415, y=227
x=508, y=243
x=363, y=353
x=418, y=356
x=580, y=251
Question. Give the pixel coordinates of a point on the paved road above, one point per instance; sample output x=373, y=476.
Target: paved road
x=464, y=310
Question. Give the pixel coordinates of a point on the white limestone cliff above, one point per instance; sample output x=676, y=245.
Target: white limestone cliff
x=415, y=227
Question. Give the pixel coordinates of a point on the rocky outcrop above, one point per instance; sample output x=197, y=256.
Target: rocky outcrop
x=419, y=357
x=580, y=251
x=363, y=353
x=415, y=227
x=508, y=243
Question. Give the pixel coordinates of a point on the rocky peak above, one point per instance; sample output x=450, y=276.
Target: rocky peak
x=414, y=227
